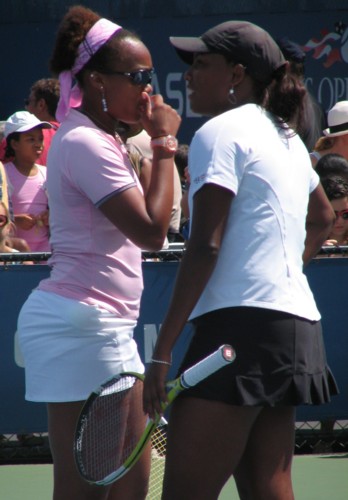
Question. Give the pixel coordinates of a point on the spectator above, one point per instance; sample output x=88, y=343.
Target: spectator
x=76, y=329
x=336, y=189
x=5, y=228
x=42, y=102
x=141, y=141
x=181, y=162
x=332, y=164
x=336, y=135
x=3, y=186
x=141, y=162
x=7, y=246
x=27, y=180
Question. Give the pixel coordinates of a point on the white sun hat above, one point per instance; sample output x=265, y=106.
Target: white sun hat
x=337, y=120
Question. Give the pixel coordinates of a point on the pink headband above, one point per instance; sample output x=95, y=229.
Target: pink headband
x=97, y=36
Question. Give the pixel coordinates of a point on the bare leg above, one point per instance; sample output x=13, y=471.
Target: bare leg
x=206, y=440
x=68, y=485
x=264, y=473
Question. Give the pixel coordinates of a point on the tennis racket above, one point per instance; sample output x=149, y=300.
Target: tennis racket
x=112, y=430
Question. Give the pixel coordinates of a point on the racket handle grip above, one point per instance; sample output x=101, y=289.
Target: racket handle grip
x=222, y=357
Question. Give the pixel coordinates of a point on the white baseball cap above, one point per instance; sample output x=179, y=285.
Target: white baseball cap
x=22, y=121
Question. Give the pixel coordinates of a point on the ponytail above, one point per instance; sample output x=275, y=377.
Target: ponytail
x=285, y=98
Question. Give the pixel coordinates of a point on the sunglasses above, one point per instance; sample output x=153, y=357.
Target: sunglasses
x=140, y=77
x=342, y=213
x=3, y=220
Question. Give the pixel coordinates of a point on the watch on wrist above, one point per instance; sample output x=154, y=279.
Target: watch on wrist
x=167, y=142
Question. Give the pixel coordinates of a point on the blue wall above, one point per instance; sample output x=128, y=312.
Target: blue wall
x=27, y=32
x=328, y=278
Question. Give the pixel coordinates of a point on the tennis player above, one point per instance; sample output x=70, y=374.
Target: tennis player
x=258, y=215
x=76, y=328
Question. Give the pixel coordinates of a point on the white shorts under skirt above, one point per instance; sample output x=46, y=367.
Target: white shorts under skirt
x=69, y=348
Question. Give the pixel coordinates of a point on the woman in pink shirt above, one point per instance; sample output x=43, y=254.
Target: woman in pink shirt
x=76, y=329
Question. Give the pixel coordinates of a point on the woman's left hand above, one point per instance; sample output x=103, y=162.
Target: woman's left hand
x=154, y=389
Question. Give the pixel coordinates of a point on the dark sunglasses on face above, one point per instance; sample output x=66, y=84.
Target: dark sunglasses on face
x=3, y=220
x=141, y=77
x=342, y=213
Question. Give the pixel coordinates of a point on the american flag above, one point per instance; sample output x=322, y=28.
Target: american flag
x=331, y=47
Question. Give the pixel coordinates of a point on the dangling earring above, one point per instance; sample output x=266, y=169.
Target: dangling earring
x=103, y=100
x=231, y=96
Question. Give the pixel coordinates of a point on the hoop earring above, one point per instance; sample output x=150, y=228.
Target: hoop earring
x=231, y=96
x=103, y=100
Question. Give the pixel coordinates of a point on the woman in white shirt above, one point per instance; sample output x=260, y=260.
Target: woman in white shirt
x=253, y=195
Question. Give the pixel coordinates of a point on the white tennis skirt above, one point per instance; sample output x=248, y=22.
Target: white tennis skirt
x=69, y=348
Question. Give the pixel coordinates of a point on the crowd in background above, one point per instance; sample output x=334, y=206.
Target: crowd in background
x=323, y=134
x=25, y=225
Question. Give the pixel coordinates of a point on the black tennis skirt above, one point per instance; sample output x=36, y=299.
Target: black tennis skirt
x=280, y=358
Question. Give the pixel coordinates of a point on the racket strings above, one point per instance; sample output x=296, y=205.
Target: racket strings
x=111, y=429
x=158, y=456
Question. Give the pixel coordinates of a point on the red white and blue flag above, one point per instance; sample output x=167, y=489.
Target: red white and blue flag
x=331, y=47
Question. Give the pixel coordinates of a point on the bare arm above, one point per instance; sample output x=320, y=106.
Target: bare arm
x=320, y=219
x=211, y=209
x=145, y=219
x=145, y=174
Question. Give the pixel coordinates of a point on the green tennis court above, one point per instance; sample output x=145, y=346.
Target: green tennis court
x=316, y=477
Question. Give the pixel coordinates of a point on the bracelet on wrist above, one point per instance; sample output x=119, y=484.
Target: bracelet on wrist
x=161, y=362
x=167, y=142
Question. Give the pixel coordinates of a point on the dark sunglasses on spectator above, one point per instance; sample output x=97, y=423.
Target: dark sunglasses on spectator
x=342, y=213
x=3, y=220
x=140, y=77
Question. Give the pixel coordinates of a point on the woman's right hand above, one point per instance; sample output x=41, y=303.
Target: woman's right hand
x=154, y=393
x=158, y=118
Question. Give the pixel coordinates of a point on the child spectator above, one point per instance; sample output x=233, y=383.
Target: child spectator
x=26, y=179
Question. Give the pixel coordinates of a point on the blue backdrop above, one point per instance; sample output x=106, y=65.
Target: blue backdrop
x=328, y=278
x=28, y=29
